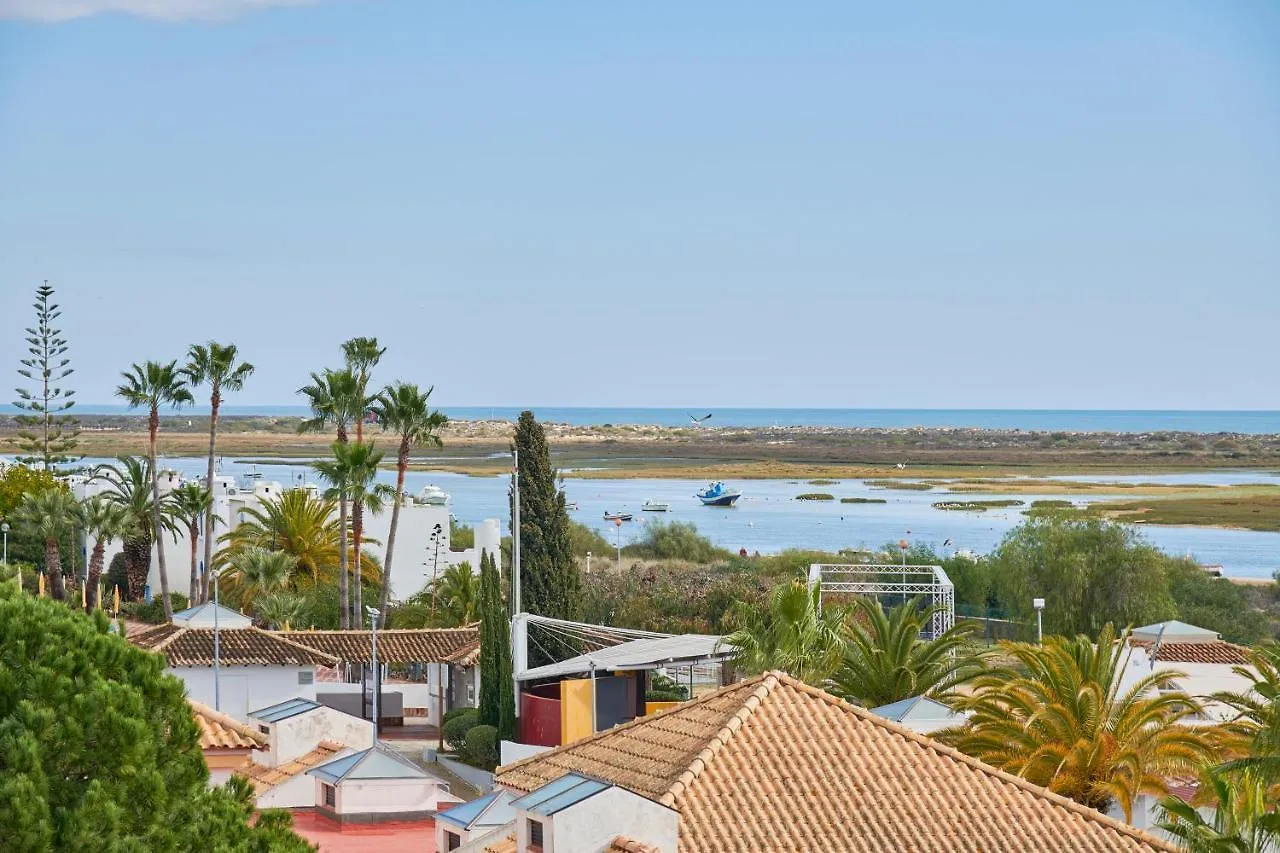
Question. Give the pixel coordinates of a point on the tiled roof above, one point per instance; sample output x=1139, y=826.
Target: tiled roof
x=265, y=778
x=237, y=647
x=397, y=645
x=773, y=764
x=506, y=844
x=1216, y=652
x=218, y=731
x=622, y=844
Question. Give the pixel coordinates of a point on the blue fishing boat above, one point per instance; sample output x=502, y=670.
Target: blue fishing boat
x=718, y=494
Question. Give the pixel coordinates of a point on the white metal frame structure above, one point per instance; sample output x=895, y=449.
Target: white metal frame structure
x=876, y=580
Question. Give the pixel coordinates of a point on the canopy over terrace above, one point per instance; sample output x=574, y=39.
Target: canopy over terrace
x=648, y=653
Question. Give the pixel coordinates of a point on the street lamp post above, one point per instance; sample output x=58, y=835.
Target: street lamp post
x=1038, y=604
x=217, y=647
x=373, y=624
x=5, y=529
x=618, y=522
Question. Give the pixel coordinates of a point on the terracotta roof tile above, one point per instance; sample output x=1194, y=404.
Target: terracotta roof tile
x=265, y=778
x=626, y=845
x=237, y=647
x=218, y=731
x=1219, y=652
x=507, y=844
x=403, y=645
x=773, y=764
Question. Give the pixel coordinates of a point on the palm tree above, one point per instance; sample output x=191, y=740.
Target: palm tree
x=104, y=520
x=129, y=485
x=334, y=399
x=793, y=634
x=191, y=505
x=1253, y=735
x=367, y=495
x=362, y=355
x=154, y=385
x=257, y=571
x=281, y=610
x=1243, y=820
x=1065, y=716
x=338, y=474
x=885, y=660
x=300, y=523
x=215, y=365
x=403, y=409
x=49, y=514
x=457, y=592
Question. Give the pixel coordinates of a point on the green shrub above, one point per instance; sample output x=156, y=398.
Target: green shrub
x=461, y=536
x=455, y=730
x=823, y=482
x=675, y=541
x=152, y=611
x=453, y=713
x=585, y=540
x=664, y=689
x=815, y=496
x=480, y=747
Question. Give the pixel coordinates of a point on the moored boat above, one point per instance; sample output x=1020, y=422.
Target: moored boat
x=718, y=494
x=655, y=506
x=617, y=516
x=433, y=496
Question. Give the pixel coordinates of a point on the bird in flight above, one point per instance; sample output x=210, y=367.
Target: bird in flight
x=699, y=421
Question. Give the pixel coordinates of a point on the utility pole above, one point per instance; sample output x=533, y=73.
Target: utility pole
x=515, y=536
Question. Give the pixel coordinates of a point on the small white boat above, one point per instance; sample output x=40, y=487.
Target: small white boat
x=655, y=506
x=617, y=516
x=432, y=496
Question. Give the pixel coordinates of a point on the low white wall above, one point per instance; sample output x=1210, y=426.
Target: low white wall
x=386, y=796
x=594, y=822
x=246, y=688
x=509, y=751
x=298, y=735
x=299, y=792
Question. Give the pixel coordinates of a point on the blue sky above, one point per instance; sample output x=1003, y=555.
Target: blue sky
x=689, y=203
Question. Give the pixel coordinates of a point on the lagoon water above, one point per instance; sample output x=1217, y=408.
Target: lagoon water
x=769, y=519
x=1046, y=420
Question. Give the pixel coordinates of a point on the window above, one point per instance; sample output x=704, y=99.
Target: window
x=452, y=841
x=306, y=676
x=535, y=833
x=330, y=796
x=266, y=730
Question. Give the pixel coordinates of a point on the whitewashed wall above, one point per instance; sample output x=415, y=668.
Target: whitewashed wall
x=297, y=735
x=246, y=688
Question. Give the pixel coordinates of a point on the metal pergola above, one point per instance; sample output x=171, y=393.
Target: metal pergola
x=877, y=580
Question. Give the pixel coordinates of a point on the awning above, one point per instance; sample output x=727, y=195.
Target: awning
x=646, y=653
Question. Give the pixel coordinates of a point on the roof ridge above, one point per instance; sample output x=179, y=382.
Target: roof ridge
x=226, y=720
x=351, y=631
x=638, y=721
x=955, y=754
x=178, y=631
x=768, y=681
x=293, y=643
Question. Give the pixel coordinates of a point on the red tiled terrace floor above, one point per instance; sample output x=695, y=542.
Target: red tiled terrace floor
x=417, y=836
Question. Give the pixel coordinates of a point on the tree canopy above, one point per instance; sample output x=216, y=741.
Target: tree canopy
x=100, y=750
x=549, y=580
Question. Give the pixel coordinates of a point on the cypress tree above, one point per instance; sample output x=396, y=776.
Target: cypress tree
x=48, y=432
x=497, y=700
x=549, y=582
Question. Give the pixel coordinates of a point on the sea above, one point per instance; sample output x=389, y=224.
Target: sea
x=1034, y=420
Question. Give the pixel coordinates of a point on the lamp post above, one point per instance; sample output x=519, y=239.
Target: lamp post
x=217, y=647
x=618, y=522
x=5, y=529
x=1038, y=604
x=373, y=624
x=588, y=562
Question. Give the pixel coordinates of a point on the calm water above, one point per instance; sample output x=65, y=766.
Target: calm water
x=1049, y=420
x=769, y=519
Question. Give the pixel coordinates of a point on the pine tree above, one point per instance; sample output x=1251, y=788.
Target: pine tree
x=549, y=582
x=497, y=699
x=48, y=432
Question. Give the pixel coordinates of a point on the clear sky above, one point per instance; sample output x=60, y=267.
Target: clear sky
x=935, y=204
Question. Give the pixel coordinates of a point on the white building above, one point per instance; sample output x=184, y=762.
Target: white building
x=256, y=668
x=921, y=714
x=420, y=553
x=478, y=818
x=1206, y=662
x=297, y=726
x=376, y=785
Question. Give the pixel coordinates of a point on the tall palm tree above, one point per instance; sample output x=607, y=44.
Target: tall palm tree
x=191, y=506
x=367, y=495
x=129, y=485
x=104, y=520
x=337, y=472
x=215, y=365
x=1244, y=819
x=1065, y=716
x=362, y=355
x=49, y=514
x=300, y=523
x=793, y=633
x=885, y=660
x=406, y=411
x=334, y=399
x=154, y=385
x=257, y=571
